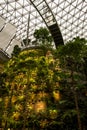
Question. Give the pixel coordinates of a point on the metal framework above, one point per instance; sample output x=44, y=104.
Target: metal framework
x=70, y=17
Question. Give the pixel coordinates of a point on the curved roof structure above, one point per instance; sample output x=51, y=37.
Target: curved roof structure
x=19, y=19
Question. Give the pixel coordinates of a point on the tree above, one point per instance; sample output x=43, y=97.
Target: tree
x=43, y=36
x=16, y=50
x=71, y=61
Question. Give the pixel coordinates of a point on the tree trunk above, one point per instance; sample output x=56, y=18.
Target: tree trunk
x=76, y=101
x=77, y=109
x=5, y=127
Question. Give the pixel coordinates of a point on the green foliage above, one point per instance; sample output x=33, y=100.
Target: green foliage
x=33, y=78
x=3, y=88
x=28, y=75
x=72, y=49
x=73, y=79
x=43, y=35
x=16, y=50
x=43, y=39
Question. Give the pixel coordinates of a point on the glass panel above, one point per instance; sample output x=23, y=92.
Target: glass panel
x=6, y=35
x=11, y=47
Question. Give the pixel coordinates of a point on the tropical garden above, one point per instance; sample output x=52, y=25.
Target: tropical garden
x=43, y=88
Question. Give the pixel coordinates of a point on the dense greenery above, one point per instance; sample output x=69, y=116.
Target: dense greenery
x=16, y=50
x=42, y=36
x=45, y=91
x=73, y=82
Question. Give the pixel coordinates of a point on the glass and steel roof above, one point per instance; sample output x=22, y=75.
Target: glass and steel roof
x=70, y=15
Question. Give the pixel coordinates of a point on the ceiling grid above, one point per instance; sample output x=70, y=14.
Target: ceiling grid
x=71, y=16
